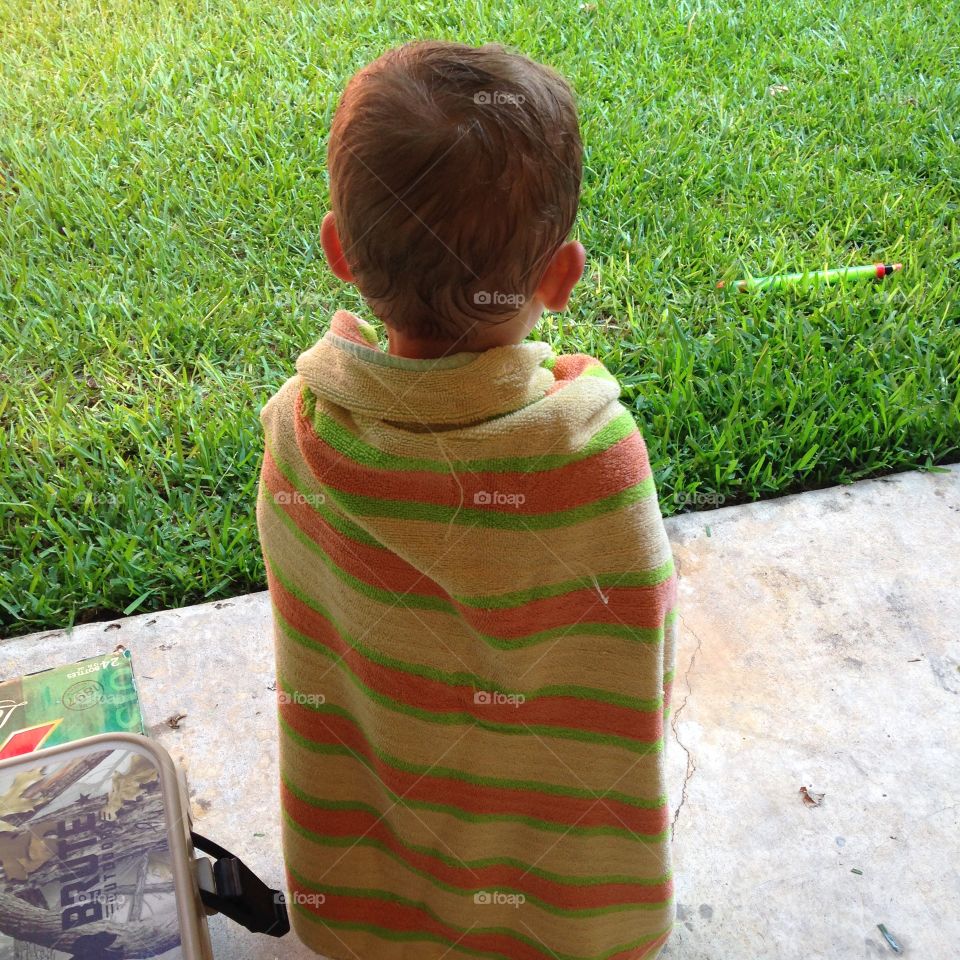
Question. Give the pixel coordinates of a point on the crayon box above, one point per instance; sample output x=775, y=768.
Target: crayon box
x=67, y=703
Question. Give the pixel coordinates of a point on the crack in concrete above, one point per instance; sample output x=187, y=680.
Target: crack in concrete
x=691, y=763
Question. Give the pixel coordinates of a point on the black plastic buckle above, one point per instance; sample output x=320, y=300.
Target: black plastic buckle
x=241, y=895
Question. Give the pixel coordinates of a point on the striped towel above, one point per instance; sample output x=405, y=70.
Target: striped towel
x=475, y=619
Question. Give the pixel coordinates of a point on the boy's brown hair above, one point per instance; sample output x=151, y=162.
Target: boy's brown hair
x=454, y=177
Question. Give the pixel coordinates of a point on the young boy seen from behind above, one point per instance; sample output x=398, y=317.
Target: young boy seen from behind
x=473, y=592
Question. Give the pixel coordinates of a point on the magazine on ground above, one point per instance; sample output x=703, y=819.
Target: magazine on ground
x=94, y=855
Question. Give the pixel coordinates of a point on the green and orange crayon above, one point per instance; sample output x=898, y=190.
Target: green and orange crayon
x=871, y=271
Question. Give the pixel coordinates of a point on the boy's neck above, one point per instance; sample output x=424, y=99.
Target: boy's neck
x=402, y=345
x=485, y=337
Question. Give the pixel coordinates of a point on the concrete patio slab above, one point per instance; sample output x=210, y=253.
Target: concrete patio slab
x=818, y=649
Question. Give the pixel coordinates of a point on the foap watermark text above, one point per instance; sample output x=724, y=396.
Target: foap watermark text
x=498, y=498
x=498, y=298
x=498, y=98
x=300, y=698
x=498, y=897
x=496, y=698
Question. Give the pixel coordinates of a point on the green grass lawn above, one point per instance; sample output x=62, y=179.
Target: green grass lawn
x=161, y=188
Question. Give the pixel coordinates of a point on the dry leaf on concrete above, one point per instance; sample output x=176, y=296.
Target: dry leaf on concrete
x=810, y=798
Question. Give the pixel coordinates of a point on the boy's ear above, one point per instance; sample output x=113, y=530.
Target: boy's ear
x=330, y=241
x=561, y=276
